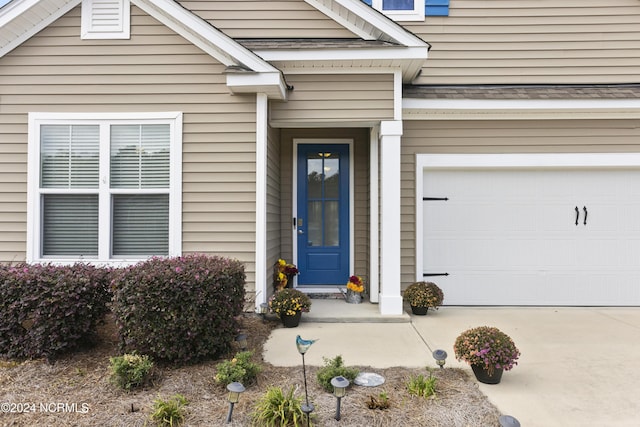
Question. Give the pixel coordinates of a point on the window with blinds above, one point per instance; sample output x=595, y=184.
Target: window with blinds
x=102, y=174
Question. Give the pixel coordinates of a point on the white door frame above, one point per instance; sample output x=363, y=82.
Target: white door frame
x=294, y=206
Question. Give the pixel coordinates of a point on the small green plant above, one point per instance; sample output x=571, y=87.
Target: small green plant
x=334, y=368
x=381, y=401
x=240, y=369
x=275, y=409
x=130, y=370
x=169, y=412
x=421, y=386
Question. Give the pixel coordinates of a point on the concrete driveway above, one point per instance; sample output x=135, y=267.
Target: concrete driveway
x=577, y=366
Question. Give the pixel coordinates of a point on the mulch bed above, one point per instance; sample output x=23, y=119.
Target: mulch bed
x=75, y=391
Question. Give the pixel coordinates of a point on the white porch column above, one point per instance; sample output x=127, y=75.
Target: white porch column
x=390, y=298
x=262, y=104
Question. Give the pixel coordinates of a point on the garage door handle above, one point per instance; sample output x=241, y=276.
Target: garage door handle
x=577, y=214
x=585, y=215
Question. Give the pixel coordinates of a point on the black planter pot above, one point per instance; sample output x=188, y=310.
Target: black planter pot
x=483, y=376
x=419, y=311
x=291, y=321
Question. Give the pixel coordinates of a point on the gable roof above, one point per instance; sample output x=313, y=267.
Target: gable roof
x=21, y=19
x=387, y=44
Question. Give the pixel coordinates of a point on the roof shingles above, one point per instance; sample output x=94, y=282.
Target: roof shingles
x=627, y=91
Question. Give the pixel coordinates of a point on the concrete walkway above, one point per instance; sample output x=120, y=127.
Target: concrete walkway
x=577, y=366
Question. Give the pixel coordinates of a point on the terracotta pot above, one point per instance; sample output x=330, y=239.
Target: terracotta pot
x=291, y=321
x=483, y=376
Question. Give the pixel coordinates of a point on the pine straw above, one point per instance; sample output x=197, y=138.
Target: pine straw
x=83, y=378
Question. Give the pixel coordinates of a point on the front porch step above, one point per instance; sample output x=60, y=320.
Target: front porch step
x=337, y=310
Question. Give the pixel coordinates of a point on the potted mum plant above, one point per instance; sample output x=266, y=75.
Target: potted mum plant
x=488, y=350
x=283, y=274
x=355, y=288
x=422, y=295
x=289, y=304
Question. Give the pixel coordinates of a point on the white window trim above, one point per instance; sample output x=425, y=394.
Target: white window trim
x=36, y=120
x=417, y=14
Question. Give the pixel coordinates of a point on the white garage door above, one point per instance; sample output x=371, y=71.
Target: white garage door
x=509, y=236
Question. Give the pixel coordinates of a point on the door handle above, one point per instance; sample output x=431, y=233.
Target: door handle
x=585, y=214
x=300, y=231
x=577, y=214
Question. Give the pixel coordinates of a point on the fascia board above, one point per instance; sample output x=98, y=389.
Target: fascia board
x=202, y=34
x=400, y=53
x=530, y=109
x=17, y=8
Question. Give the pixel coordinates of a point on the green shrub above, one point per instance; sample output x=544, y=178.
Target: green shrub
x=239, y=369
x=169, y=412
x=181, y=309
x=47, y=310
x=334, y=368
x=421, y=386
x=130, y=370
x=275, y=409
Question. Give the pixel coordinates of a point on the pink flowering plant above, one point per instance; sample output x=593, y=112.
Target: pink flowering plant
x=488, y=347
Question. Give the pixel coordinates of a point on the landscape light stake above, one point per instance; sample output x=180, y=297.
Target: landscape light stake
x=235, y=389
x=303, y=345
x=241, y=339
x=263, y=311
x=340, y=385
x=441, y=357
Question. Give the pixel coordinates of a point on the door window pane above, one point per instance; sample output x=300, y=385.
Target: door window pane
x=314, y=176
x=314, y=223
x=332, y=177
x=331, y=224
x=70, y=225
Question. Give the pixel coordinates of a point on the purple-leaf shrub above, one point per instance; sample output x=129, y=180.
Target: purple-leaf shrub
x=46, y=310
x=179, y=310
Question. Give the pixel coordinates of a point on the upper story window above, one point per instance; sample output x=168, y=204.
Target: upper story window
x=410, y=10
x=103, y=189
x=401, y=10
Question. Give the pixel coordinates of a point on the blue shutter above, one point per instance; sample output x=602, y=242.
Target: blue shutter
x=436, y=8
x=367, y=2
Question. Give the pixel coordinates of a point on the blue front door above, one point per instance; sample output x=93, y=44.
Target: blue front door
x=322, y=221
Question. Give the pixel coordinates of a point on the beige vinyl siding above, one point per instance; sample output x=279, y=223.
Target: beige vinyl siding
x=336, y=98
x=274, y=200
x=533, y=42
x=361, y=187
x=267, y=19
x=156, y=70
x=485, y=137
x=13, y=187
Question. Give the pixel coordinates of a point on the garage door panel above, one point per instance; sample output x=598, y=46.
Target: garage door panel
x=509, y=236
